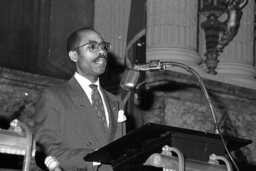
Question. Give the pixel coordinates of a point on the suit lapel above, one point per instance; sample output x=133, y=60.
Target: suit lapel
x=88, y=115
x=112, y=106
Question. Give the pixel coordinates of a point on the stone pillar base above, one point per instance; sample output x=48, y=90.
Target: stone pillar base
x=243, y=73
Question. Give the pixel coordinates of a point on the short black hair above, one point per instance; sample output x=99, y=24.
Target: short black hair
x=74, y=38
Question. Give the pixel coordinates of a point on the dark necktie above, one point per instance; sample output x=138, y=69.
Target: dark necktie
x=98, y=106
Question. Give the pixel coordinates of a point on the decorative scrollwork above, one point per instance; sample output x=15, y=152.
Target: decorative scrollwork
x=232, y=23
x=219, y=34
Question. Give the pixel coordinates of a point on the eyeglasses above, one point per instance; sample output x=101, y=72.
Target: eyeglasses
x=94, y=46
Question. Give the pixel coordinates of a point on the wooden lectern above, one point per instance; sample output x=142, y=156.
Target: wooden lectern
x=132, y=150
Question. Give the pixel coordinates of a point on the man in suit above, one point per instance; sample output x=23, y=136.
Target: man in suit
x=66, y=124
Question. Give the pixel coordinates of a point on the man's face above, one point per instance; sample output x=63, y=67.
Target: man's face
x=90, y=64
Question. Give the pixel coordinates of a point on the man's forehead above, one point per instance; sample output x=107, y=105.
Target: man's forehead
x=87, y=36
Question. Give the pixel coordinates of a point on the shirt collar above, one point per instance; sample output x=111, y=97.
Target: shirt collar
x=84, y=81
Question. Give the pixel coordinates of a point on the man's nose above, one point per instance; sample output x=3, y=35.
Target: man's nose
x=101, y=51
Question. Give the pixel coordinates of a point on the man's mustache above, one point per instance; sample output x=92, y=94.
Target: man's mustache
x=101, y=56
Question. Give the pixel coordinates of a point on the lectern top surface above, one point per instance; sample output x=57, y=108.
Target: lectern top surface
x=148, y=139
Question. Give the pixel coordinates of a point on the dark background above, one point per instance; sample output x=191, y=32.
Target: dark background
x=33, y=34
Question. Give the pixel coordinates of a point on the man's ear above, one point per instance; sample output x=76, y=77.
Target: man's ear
x=73, y=56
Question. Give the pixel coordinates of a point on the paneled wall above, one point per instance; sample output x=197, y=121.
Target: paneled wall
x=34, y=32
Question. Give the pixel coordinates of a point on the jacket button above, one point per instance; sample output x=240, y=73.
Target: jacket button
x=88, y=144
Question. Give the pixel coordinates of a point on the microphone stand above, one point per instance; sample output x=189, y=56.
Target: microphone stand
x=166, y=65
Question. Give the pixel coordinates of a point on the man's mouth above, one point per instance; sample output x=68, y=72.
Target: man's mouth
x=101, y=60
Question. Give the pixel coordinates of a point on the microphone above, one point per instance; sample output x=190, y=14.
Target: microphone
x=52, y=163
x=130, y=79
x=153, y=65
x=132, y=75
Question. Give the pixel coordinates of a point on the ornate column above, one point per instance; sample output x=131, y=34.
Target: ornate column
x=236, y=62
x=111, y=19
x=172, y=32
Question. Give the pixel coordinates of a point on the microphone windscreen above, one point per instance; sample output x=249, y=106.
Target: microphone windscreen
x=129, y=79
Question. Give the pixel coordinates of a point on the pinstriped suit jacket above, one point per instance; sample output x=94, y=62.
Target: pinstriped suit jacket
x=67, y=127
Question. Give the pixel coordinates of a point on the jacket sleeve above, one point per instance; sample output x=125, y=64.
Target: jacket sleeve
x=48, y=134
